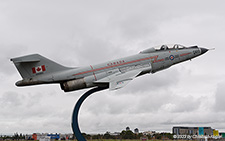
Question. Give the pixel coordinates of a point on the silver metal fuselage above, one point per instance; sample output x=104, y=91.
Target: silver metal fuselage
x=157, y=61
x=147, y=61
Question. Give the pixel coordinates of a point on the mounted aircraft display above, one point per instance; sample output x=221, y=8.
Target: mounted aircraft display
x=36, y=69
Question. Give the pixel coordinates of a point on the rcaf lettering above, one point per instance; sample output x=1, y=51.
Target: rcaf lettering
x=116, y=63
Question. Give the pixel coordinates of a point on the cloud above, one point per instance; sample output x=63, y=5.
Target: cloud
x=220, y=98
x=47, y=111
x=162, y=108
x=76, y=33
x=10, y=100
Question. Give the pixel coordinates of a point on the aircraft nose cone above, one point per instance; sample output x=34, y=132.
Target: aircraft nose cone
x=203, y=50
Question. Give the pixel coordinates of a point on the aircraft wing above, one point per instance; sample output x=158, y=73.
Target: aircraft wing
x=124, y=75
x=119, y=80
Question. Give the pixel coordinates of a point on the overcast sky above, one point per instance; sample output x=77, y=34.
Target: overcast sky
x=80, y=33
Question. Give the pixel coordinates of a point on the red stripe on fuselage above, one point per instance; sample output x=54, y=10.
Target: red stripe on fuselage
x=98, y=69
x=185, y=54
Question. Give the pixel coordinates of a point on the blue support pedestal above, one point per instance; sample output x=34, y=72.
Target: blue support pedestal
x=75, y=126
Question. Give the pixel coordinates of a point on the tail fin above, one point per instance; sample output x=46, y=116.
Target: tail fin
x=31, y=65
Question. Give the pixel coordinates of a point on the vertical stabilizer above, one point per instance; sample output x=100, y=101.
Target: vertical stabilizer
x=35, y=64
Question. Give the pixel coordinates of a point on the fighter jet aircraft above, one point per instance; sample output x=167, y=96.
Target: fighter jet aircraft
x=36, y=69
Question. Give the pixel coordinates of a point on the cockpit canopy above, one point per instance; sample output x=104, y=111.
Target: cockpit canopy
x=163, y=47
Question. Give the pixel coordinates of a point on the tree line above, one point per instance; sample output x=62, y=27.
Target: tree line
x=122, y=135
x=128, y=135
x=16, y=136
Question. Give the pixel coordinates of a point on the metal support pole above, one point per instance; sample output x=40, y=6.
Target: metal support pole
x=75, y=126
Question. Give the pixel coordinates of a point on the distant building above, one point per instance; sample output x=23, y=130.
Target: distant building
x=46, y=138
x=54, y=136
x=149, y=133
x=222, y=134
x=34, y=136
x=43, y=136
x=180, y=130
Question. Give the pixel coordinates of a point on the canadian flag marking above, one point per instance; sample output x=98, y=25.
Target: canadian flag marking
x=38, y=69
